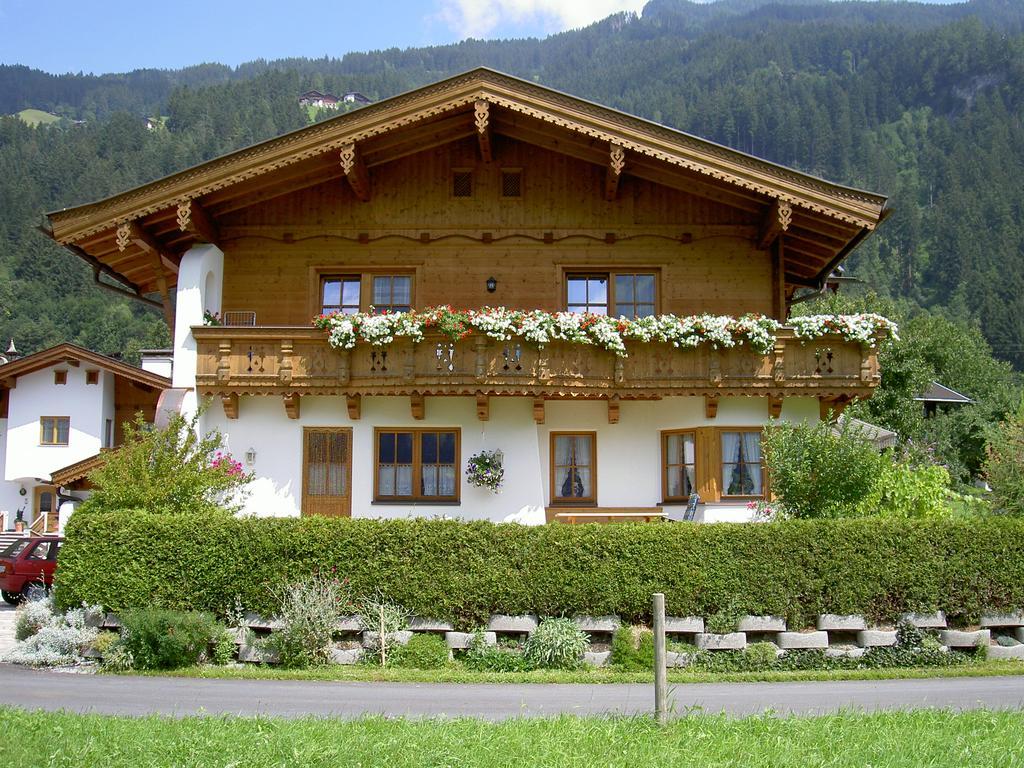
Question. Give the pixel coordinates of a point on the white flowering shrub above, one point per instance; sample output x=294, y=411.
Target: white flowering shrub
x=32, y=615
x=61, y=640
x=610, y=333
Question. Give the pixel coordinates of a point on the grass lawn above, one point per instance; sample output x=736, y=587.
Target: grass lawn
x=36, y=116
x=458, y=674
x=890, y=740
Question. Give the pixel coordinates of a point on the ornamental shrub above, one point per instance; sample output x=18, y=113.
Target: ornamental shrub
x=171, y=470
x=423, y=651
x=633, y=649
x=821, y=469
x=1004, y=465
x=158, y=638
x=494, y=658
x=463, y=572
x=308, y=610
x=830, y=469
x=60, y=639
x=556, y=644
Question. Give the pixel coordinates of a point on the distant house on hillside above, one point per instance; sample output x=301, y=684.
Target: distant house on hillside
x=320, y=100
x=355, y=97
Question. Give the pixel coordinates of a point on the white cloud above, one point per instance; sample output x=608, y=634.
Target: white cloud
x=476, y=18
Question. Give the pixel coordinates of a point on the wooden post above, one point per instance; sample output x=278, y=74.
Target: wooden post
x=660, y=669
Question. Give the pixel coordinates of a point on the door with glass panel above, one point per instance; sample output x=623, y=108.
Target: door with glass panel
x=46, y=516
x=573, y=465
x=679, y=453
x=327, y=472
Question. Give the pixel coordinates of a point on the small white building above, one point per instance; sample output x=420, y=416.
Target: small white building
x=59, y=409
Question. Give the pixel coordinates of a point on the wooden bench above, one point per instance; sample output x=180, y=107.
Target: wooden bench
x=576, y=515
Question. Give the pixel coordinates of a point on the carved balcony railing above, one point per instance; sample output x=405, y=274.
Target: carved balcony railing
x=300, y=361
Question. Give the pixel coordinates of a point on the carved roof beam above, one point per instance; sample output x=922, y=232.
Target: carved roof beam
x=355, y=171
x=616, y=164
x=131, y=232
x=194, y=219
x=482, y=120
x=776, y=221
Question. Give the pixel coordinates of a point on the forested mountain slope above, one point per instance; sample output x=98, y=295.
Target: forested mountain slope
x=921, y=102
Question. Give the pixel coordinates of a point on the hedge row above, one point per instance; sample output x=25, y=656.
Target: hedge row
x=462, y=572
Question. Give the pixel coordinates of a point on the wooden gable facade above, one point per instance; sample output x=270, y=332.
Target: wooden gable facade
x=485, y=190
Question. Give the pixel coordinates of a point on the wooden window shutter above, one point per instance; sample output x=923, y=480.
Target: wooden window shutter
x=327, y=472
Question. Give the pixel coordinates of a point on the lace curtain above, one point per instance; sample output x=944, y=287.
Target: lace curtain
x=573, y=466
x=741, y=464
x=680, y=458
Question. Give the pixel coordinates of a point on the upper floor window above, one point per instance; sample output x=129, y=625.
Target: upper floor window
x=340, y=293
x=742, y=470
x=54, y=430
x=619, y=294
x=349, y=294
x=60, y=377
x=392, y=293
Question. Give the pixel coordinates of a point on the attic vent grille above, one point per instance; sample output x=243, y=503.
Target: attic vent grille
x=511, y=183
x=462, y=184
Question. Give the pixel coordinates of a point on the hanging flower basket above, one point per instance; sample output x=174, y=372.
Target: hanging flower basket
x=486, y=470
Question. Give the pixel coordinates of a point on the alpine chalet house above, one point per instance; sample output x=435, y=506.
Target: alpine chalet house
x=485, y=272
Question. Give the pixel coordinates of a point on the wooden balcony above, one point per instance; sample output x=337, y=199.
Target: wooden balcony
x=292, y=361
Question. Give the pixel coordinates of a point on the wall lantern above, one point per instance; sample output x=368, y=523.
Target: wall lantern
x=492, y=285
x=250, y=457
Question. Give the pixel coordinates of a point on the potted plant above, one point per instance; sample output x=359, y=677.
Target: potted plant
x=486, y=470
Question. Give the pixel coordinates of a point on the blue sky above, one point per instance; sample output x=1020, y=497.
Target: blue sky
x=118, y=35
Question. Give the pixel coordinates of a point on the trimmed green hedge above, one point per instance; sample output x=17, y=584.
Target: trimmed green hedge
x=465, y=571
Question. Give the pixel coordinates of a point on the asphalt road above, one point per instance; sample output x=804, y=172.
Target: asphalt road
x=38, y=689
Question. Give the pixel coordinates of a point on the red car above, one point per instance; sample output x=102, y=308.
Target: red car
x=27, y=566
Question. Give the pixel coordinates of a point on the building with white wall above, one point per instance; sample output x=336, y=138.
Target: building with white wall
x=660, y=268
x=58, y=408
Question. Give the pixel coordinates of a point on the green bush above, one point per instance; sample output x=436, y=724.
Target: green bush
x=171, y=470
x=1004, y=465
x=633, y=649
x=158, y=638
x=494, y=658
x=224, y=648
x=423, y=651
x=555, y=644
x=463, y=572
x=824, y=470
x=820, y=469
x=104, y=642
x=308, y=609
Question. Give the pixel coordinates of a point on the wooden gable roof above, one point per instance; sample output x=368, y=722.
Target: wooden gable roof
x=75, y=355
x=137, y=237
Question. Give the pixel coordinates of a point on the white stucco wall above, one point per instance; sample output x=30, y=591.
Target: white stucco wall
x=10, y=499
x=160, y=364
x=200, y=285
x=628, y=453
x=36, y=395
x=107, y=381
x=277, y=440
